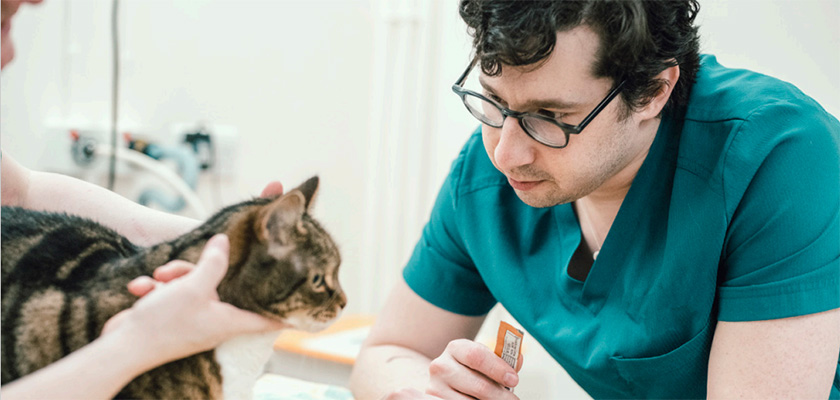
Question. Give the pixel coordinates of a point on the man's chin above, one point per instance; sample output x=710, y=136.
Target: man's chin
x=539, y=200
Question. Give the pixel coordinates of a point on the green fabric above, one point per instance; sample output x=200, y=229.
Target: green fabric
x=734, y=216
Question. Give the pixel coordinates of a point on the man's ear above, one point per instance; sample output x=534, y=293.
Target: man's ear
x=668, y=79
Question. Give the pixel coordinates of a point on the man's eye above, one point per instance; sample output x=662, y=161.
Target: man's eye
x=549, y=114
x=494, y=98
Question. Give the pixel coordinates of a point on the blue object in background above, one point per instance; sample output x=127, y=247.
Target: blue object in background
x=187, y=168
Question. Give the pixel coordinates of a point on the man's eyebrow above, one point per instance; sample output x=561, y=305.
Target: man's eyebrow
x=535, y=104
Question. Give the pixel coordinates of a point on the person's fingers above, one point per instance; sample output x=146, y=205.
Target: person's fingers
x=451, y=379
x=408, y=394
x=274, y=188
x=173, y=269
x=519, y=362
x=483, y=360
x=447, y=393
x=141, y=286
x=213, y=263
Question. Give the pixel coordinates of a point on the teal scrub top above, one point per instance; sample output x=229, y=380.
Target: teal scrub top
x=733, y=216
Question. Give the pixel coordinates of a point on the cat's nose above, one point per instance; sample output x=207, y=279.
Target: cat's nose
x=342, y=300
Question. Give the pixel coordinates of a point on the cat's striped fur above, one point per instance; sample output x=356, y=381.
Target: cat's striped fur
x=63, y=277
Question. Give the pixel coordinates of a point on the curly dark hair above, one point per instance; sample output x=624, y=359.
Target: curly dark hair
x=638, y=39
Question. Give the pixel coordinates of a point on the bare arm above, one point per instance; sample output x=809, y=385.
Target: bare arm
x=784, y=358
x=412, y=337
x=408, y=334
x=55, y=192
x=102, y=378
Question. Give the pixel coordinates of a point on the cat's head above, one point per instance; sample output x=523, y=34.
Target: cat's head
x=283, y=264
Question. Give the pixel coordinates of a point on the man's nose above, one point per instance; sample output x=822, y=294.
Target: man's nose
x=515, y=147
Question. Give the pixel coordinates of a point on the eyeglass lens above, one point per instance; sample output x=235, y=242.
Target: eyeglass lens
x=485, y=111
x=541, y=130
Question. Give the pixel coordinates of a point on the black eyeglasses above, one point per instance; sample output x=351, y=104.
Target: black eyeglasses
x=544, y=129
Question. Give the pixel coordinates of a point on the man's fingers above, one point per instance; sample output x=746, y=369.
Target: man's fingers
x=447, y=393
x=408, y=394
x=474, y=387
x=519, y=362
x=451, y=379
x=274, y=188
x=483, y=360
x=213, y=263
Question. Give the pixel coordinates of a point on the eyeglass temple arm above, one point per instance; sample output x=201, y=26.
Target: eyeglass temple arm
x=463, y=77
x=600, y=107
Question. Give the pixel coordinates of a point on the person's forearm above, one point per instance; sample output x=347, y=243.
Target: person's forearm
x=60, y=193
x=141, y=225
x=380, y=370
x=96, y=371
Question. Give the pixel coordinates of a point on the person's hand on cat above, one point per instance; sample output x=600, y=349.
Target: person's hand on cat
x=177, y=268
x=184, y=316
x=142, y=285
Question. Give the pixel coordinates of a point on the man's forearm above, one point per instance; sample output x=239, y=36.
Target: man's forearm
x=380, y=370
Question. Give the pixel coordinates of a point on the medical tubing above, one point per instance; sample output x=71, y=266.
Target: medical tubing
x=115, y=93
x=188, y=169
x=160, y=170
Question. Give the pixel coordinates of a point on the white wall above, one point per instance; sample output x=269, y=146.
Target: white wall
x=794, y=40
x=354, y=90
x=292, y=77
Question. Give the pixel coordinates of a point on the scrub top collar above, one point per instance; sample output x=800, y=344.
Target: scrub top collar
x=639, y=206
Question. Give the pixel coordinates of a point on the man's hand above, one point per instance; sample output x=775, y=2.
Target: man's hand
x=466, y=370
x=409, y=394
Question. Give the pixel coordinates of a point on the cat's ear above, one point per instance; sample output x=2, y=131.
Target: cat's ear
x=281, y=219
x=309, y=189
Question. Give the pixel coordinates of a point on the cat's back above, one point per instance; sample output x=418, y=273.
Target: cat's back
x=18, y=223
x=53, y=288
x=37, y=239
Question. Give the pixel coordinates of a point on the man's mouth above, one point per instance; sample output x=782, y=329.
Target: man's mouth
x=523, y=185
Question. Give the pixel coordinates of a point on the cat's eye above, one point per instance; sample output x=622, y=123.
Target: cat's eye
x=317, y=280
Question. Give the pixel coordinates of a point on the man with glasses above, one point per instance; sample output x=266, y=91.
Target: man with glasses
x=664, y=226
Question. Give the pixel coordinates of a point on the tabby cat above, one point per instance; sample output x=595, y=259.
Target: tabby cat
x=63, y=277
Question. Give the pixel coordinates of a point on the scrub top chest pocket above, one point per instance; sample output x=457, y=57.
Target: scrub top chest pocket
x=685, y=367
